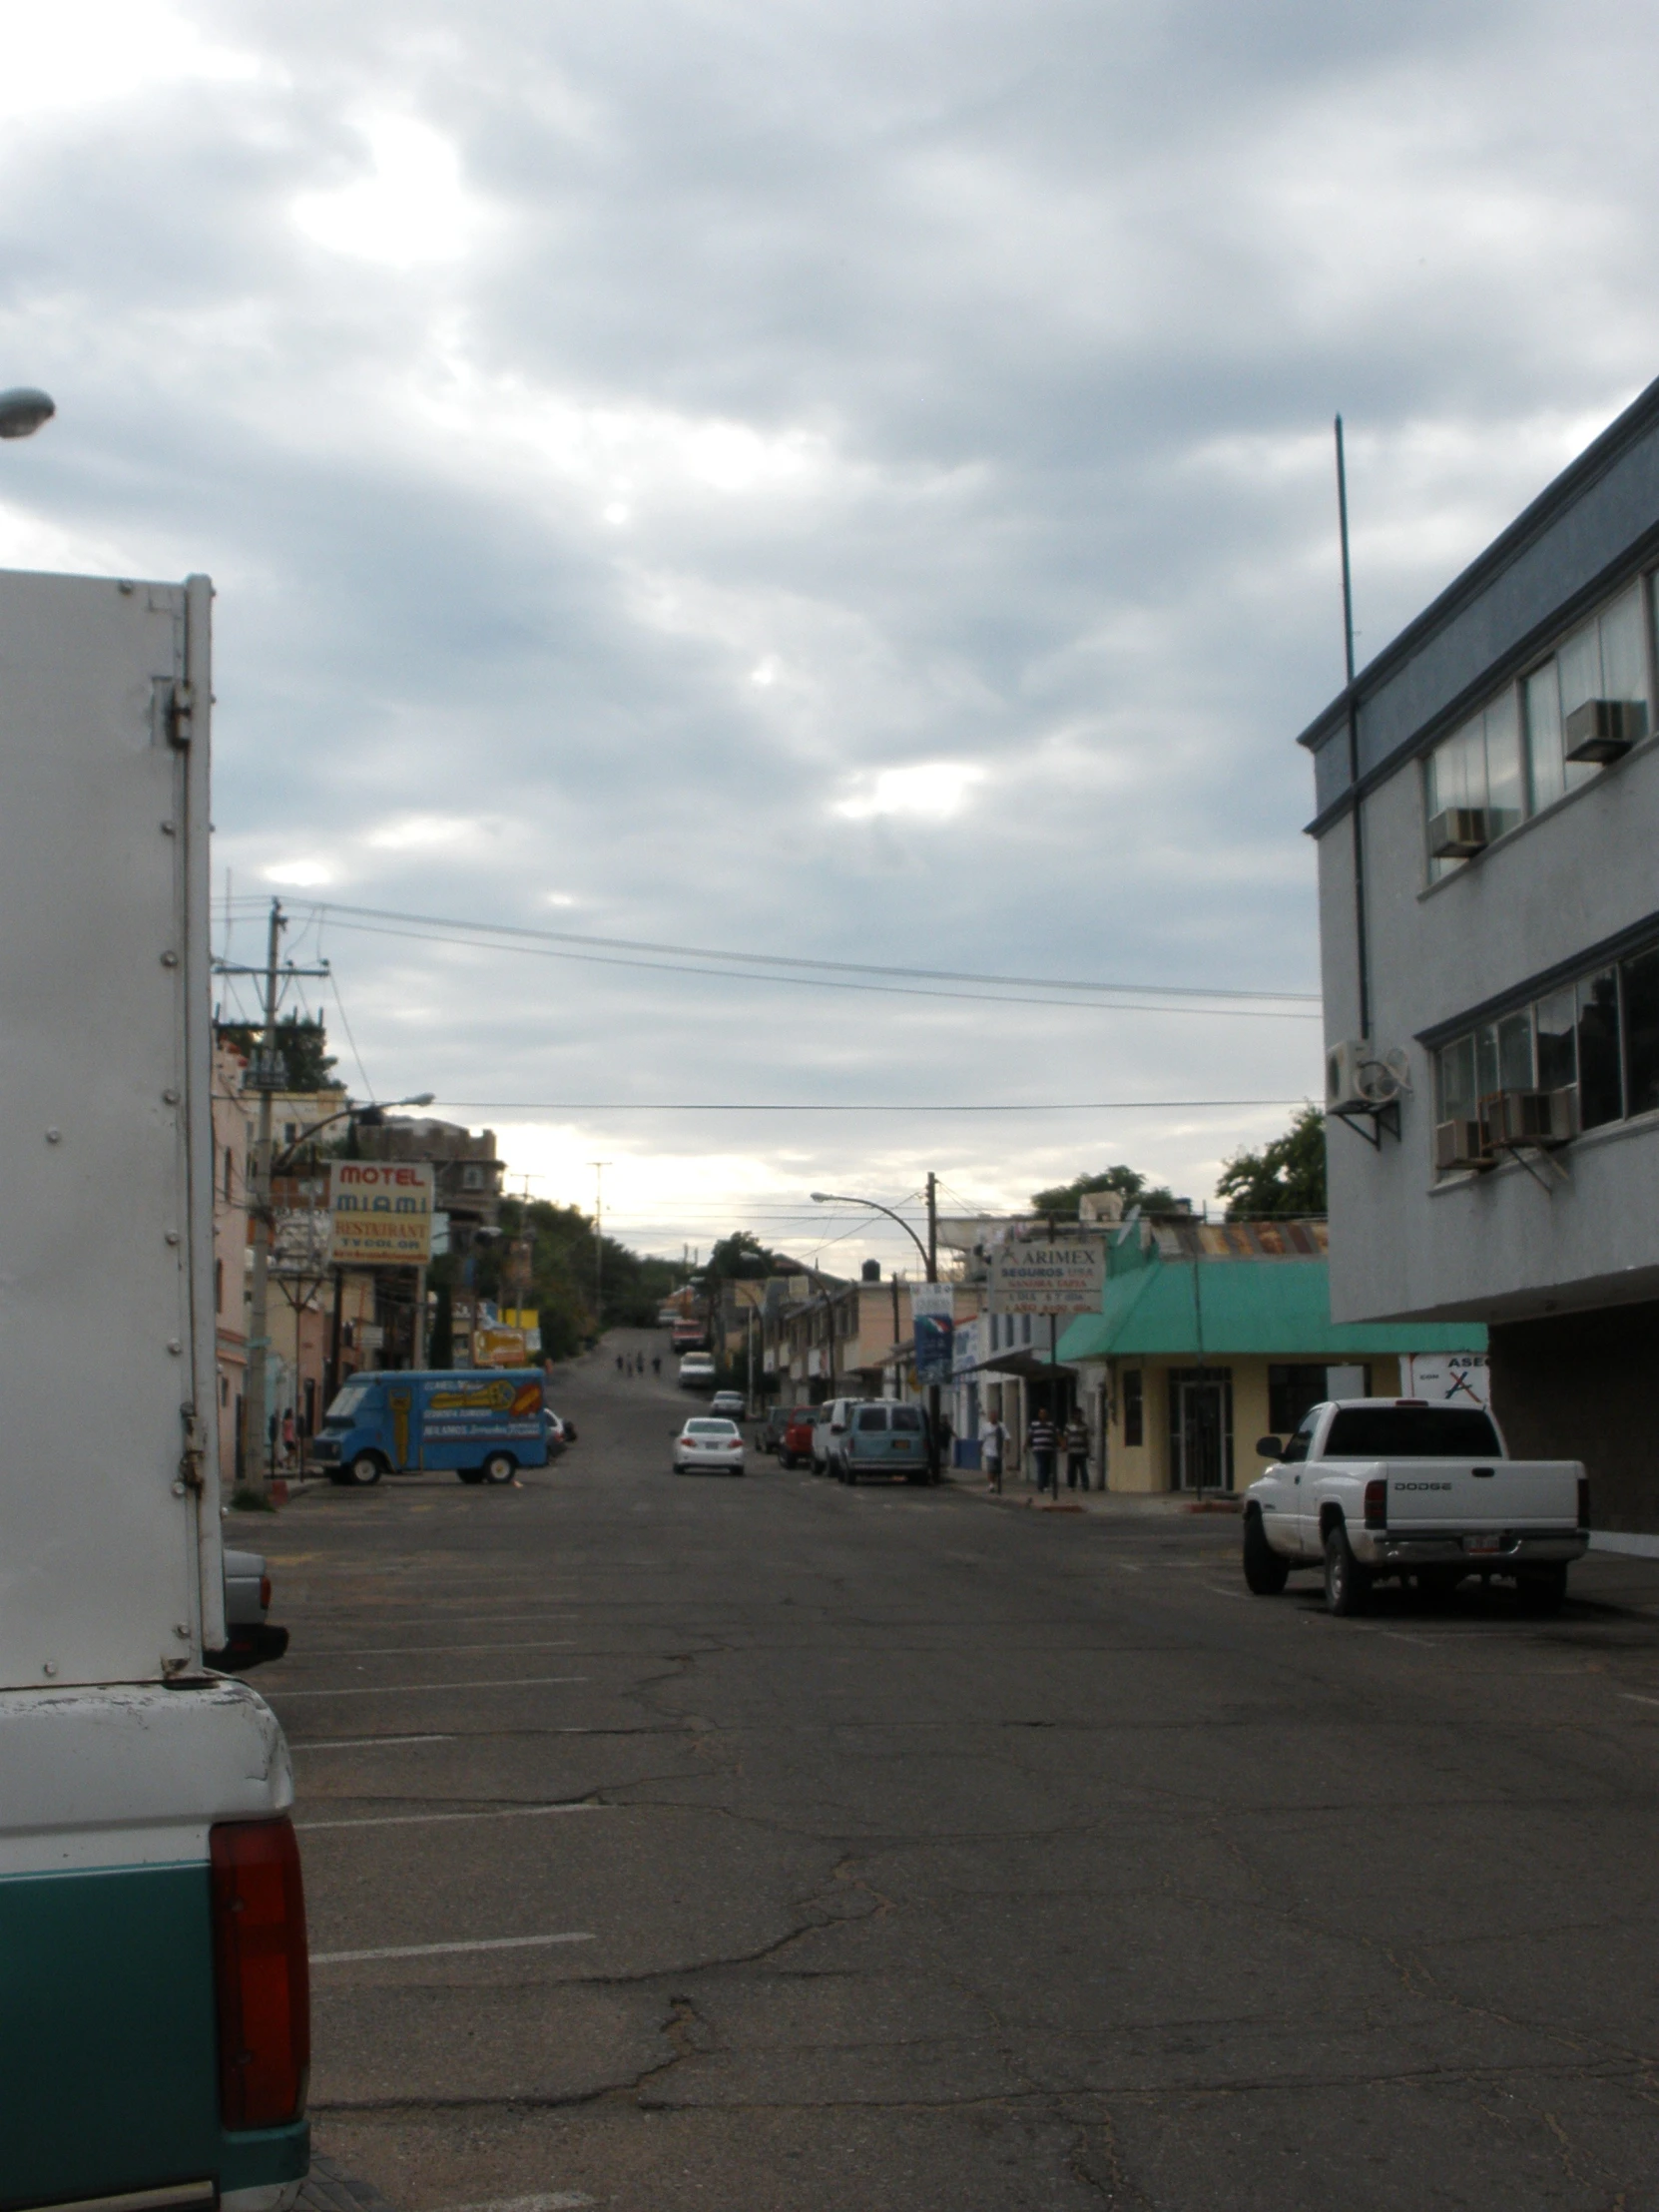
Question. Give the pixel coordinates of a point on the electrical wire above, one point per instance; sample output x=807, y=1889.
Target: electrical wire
x=856, y=1106
x=827, y=974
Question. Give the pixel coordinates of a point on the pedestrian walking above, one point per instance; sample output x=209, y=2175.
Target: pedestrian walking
x=1077, y=1452
x=1043, y=1442
x=993, y=1438
x=619, y=1362
x=656, y=1365
x=289, y=1438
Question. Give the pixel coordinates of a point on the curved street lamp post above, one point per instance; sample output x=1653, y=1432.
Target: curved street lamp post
x=929, y=1254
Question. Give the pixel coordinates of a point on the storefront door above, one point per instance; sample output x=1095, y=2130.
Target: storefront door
x=1201, y=1430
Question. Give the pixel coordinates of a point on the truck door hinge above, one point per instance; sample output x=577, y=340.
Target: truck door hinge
x=190, y=1459
x=180, y=714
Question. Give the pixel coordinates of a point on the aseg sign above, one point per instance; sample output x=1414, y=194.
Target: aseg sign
x=1047, y=1278
x=379, y=1214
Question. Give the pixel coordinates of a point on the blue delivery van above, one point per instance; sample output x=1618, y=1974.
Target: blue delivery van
x=484, y=1422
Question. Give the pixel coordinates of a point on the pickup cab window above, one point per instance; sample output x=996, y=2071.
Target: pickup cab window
x=1297, y=1447
x=1412, y=1432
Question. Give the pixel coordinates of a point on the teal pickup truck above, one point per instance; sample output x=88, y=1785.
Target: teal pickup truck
x=154, y=2027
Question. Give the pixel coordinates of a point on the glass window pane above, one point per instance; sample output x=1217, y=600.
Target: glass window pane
x=1455, y=1073
x=1641, y=1033
x=1457, y=769
x=1544, y=735
x=1504, y=792
x=1486, y=1060
x=1600, y=1093
x=1623, y=663
x=1554, y=1019
x=1514, y=1051
x=1579, y=664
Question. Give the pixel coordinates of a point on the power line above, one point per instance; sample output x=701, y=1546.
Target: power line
x=857, y=1106
x=1265, y=1005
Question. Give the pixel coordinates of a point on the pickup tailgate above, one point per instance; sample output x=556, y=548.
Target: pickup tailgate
x=1498, y=1493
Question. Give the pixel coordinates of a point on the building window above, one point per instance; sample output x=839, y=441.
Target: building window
x=229, y=1170
x=219, y=1286
x=1290, y=1391
x=1591, y=1046
x=472, y=1179
x=1511, y=760
x=1134, y=1410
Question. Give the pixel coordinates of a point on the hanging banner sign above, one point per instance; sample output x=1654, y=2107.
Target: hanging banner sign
x=379, y=1213
x=931, y=1316
x=1047, y=1278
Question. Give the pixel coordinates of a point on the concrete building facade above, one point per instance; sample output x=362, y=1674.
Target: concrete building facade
x=1488, y=821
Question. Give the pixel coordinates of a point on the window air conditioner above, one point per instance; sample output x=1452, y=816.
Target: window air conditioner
x=1459, y=832
x=1604, y=729
x=1544, y=1118
x=1460, y=1144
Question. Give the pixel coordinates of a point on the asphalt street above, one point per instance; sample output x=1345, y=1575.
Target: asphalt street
x=681, y=1843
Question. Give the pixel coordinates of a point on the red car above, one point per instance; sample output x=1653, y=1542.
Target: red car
x=797, y=1444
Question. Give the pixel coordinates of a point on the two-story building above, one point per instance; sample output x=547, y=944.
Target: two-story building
x=1487, y=824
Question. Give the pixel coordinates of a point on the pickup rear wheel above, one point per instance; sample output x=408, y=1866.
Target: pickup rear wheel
x=1347, y=1584
x=1543, y=1589
x=786, y=1458
x=1265, y=1573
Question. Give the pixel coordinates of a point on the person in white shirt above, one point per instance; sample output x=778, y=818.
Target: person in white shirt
x=993, y=1438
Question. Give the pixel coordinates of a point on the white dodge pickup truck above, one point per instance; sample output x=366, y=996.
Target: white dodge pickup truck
x=1370, y=1488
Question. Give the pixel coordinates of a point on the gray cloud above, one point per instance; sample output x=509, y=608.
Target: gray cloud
x=711, y=410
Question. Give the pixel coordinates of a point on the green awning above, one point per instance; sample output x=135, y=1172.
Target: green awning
x=1276, y=1309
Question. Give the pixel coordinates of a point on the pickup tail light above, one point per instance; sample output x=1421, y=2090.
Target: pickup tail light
x=1583, y=1501
x=262, y=1972
x=1376, y=1503
x=264, y=1593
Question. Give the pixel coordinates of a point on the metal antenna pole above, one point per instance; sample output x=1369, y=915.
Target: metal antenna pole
x=1362, y=944
x=598, y=1167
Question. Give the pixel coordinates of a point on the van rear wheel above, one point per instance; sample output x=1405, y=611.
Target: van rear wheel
x=500, y=1467
x=364, y=1469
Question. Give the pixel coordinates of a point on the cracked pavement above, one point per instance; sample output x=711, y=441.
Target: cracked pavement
x=927, y=1854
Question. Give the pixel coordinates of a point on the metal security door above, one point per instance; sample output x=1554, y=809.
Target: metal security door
x=1201, y=1436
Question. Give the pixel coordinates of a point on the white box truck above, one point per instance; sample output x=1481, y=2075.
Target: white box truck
x=154, y=2007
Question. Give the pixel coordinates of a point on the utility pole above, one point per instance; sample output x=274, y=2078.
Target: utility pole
x=256, y=1436
x=934, y=1456
x=598, y=1167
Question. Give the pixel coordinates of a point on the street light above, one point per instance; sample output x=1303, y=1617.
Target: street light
x=23, y=409
x=929, y=1260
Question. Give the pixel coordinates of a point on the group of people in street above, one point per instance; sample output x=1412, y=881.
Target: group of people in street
x=633, y=1363
x=1044, y=1442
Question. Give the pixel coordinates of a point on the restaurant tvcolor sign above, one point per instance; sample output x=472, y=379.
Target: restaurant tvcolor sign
x=379, y=1213
x=1057, y=1278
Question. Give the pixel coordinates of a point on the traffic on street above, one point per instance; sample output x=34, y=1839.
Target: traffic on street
x=781, y=1843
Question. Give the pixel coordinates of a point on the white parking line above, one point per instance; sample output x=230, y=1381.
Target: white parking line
x=427, y=1651
x=443, y=1951
x=429, y=1820
x=558, y=2200
x=396, y=1689
x=1636, y=1699
x=366, y=1743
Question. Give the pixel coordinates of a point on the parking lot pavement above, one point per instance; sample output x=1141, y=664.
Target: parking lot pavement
x=681, y=1843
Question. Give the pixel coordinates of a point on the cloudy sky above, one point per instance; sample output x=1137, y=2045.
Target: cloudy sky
x=843, y=483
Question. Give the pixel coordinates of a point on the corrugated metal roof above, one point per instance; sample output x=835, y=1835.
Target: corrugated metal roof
x=1268, y=1307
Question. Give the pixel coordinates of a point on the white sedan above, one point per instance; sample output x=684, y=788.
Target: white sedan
x=715, y=1446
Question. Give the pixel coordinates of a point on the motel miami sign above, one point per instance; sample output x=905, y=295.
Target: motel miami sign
x=379, y=1214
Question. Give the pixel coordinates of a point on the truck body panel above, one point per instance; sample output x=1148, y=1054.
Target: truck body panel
x=119, y=1754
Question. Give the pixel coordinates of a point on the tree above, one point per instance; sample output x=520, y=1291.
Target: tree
x=1284, y=1177
x=1132, y=1187
x=741, y=1256
x=302, y=1045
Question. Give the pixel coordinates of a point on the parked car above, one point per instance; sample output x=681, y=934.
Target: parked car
x=1375, y=1486
x=828, y=1430
x=696, y=1371
x=709, y=1445
x=250, y=1638
x=730, y=1402
x=795, y=1443
x=883, y=1438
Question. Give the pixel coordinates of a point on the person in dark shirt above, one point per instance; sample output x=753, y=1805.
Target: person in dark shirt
x=1077, y=1452
x=1043, y=1442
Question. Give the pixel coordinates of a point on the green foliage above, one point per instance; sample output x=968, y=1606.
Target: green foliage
x=1132, y=1187
x=1284, y=1177
x=302, y=1045
x=742, y=1256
